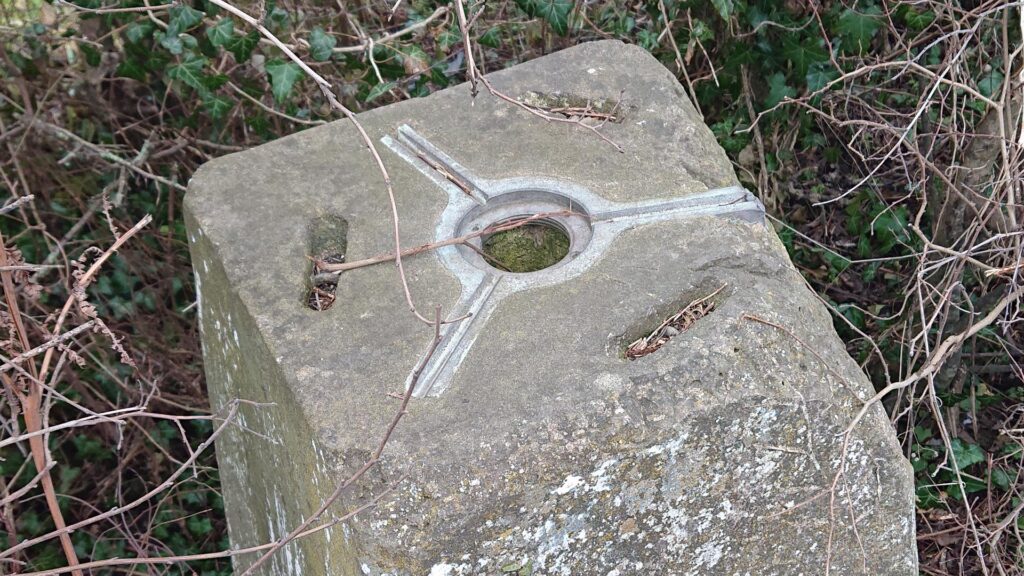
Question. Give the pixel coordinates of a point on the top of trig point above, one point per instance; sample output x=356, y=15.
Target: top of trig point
x=530, y=416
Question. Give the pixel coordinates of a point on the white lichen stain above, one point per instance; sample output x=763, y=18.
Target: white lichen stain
x=555, y=542
x=601, y=478
x=708, y=555
x=445, y=569
x=571, y=483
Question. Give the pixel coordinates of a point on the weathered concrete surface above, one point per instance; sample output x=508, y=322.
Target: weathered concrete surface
x=549, y=453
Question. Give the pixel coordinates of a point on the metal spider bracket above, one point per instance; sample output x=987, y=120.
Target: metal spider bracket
x=590, y=221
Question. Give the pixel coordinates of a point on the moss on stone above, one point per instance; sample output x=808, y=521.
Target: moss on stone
x=528, y=248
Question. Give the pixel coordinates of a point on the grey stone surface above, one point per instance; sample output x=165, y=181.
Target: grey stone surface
x=548, y=452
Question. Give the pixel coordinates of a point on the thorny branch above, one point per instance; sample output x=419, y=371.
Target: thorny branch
x=30, y=400
x=64, y=531
x=939, y=355
x=958, y=153
x=160, y=560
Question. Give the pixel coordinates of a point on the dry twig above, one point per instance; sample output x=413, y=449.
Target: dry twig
x=673, y=326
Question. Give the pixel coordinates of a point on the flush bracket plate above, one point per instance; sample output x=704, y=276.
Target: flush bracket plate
x=590, y=221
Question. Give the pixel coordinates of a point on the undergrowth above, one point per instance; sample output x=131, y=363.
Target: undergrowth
x=883, y=136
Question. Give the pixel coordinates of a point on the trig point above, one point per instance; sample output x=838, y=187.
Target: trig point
x=656, y=393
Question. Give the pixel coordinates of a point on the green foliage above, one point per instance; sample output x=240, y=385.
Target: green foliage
x=221, y=33
x=858, y=27
x=990, y=83
x=554, y=12
x=379, y=90
x=491, y=38
x=819, y=75
x=283, y=76
x=778, y=90
x=724, y=7
x=878, y=227
x=941, y=471
x=189, y=72
x=803, y=53
x=915, y=20
x=728, y=135
x=242, y=46
x=321, y=45
x=965, y=454
x=183, y=17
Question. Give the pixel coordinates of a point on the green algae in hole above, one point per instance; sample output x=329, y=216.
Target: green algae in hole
x=528, y=248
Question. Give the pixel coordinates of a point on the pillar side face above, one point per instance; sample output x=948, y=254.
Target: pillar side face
x=275, y=478
x=540, y=449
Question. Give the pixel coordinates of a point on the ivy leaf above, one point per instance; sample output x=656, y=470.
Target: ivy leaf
x=222, y=32
x=890, y=227
x=990, y=83
x=491, y=38
x=647, y=39
x=858, y=28
x=917, y=21
x=90, y=448
x=724, y=7
x=778, y=89
x=216, y=106
x=215, y=81
x=199, y=526
x=131, y=69
x=321, y=44
x=182, y=18
x=379, y=90
x=282, y=78
x=803, y=54
x=279, y=17
x=188, y=41
x=172, y=43
x=189, y=72
x=92, y=55
x=1001, y=478
x=137, y=31
x=838, y=264
x=819, y=76
x=555, y=12
x=702, y=31
x=927, y=498
x=242, y=46
x=448, y=38
x=966, y=454
x=415, y=60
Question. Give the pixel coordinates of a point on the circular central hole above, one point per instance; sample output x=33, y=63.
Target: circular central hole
x=527, y=248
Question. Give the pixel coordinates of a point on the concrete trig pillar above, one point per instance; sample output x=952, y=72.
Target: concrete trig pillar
x=534, y=445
